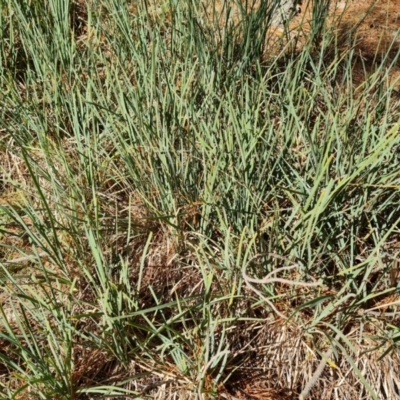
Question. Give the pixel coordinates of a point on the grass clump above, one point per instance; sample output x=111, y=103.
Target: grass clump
x=194, y=206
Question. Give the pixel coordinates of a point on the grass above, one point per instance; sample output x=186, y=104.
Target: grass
x=193, y=206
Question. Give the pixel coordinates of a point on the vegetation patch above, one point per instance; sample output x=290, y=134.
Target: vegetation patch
x=198, y=200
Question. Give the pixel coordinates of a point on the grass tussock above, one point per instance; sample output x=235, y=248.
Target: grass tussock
x=195, y=203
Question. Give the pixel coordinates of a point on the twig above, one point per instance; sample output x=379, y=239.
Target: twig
x=270, y=279
x=225, y=396
x=32, y=257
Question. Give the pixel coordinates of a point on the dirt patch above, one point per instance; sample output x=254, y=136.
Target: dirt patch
x=378, y=32
x=378, y=36
x=372, y=25
x=369, y=28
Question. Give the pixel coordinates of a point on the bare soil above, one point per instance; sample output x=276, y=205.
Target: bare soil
x=375, y=27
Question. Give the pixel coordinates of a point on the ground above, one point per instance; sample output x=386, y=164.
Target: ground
x=375, y=23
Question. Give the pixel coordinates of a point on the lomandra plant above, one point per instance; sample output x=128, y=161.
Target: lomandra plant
x=189, y=199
